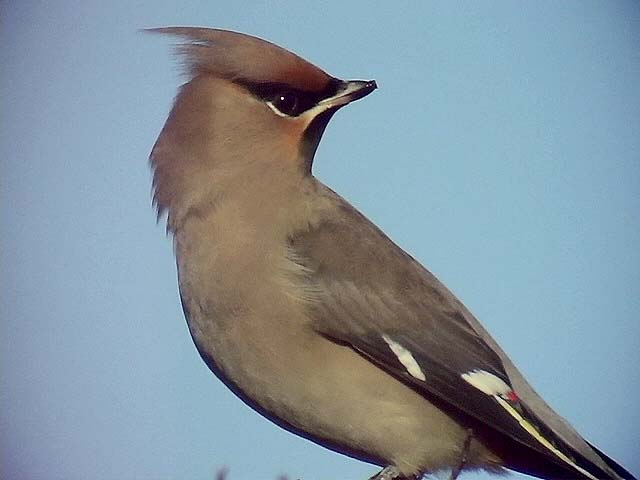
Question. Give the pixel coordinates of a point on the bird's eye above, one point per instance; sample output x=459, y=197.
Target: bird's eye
x=287, y=103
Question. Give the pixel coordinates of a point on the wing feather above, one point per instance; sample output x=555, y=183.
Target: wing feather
x=370, y=289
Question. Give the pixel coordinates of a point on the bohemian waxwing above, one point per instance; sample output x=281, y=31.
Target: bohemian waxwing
x=310, y=313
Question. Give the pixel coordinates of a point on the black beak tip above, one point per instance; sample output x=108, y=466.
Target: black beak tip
x=365, y=89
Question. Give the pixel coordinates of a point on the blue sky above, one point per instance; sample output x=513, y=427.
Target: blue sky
x=502, y=150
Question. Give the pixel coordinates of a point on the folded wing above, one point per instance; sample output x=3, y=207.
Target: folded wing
x=376, y=298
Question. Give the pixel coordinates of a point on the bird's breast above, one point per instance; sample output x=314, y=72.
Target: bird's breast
x=239, y=285
x=247, y=305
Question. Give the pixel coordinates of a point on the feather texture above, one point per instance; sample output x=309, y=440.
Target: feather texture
x=372, y=290
x=236, y=56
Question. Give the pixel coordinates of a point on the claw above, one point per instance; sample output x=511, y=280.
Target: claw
x=391, y=473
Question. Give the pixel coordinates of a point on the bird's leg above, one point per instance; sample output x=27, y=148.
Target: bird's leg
x=391, y=473
x=463, y=457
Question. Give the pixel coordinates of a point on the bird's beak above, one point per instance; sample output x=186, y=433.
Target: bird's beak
x=348, y=92
x=317, y=117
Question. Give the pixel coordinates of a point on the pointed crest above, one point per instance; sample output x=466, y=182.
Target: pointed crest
x=236, y=56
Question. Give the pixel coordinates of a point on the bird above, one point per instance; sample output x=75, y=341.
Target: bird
x=305, y=309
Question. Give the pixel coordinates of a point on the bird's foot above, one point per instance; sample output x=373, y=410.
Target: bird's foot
x=387, y=473
x=391, y=473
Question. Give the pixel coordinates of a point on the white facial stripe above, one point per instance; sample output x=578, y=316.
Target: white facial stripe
x=405, y=358
x=275, y=110
x=486, y=382
x=533, y=431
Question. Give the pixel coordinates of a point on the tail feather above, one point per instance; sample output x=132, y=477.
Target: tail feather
x=613, y=465
x=577, y=465
x=523, y=459
x=557, y=459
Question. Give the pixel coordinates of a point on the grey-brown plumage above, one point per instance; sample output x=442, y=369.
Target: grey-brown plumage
x=305, y=309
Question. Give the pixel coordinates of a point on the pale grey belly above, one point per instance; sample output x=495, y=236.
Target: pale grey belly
x=330, y=394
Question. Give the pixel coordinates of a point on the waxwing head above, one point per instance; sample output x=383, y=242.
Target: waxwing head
x=248, y=108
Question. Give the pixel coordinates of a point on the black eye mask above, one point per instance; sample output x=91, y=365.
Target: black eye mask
x=288, y=100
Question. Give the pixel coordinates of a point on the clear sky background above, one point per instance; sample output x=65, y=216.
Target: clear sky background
x=502, y=150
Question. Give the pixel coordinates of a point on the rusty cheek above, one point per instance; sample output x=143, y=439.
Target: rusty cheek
x=293, y=133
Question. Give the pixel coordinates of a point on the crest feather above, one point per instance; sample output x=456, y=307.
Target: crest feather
x=236, y=56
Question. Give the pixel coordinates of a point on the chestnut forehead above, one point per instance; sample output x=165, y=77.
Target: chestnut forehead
x=303, y=77
x=272, y=64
